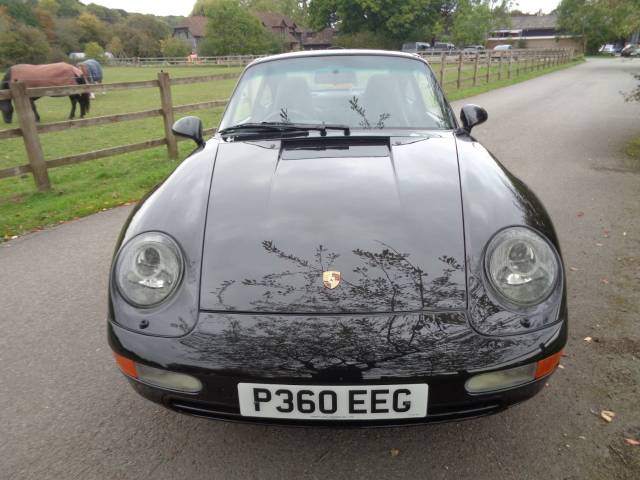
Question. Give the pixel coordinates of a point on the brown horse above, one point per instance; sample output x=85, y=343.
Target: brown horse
x=49, y=75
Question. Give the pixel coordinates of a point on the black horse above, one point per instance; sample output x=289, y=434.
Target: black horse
x=49, y=75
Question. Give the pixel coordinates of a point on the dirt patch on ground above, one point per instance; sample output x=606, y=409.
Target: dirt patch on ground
x=619, y=346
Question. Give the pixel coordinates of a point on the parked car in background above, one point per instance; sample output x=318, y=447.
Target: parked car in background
x=609, y=48
x=473, y=48
x=443, y=47
x=503, y=47
x=76, y=56
x=415, y=47
x=631, y=50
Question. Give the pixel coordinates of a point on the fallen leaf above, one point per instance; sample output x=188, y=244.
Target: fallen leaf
x=394, y=452
x=632, y=441
x=580, y=214
x=598, y=244
x=624, y=234
x=561, y=367
x=574, y=269
x=588, y=339
x=607, y=415
x=582, y=437
x=605, y=281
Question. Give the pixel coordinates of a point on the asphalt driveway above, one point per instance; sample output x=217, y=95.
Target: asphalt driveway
x=66, y=412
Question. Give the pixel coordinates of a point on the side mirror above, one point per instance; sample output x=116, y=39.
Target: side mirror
x=189, y=127
x=472, y=115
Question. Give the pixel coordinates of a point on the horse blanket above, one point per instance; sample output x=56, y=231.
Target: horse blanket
x=49, y=75
x=92, y=70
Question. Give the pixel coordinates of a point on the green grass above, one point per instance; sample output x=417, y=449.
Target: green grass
x=88, y=187
x=632, y=149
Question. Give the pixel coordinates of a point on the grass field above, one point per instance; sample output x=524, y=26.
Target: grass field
x=88, y=187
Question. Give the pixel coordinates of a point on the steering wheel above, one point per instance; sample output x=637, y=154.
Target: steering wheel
x=299, y=116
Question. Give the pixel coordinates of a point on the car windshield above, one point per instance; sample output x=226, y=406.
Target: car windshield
x=358, y=91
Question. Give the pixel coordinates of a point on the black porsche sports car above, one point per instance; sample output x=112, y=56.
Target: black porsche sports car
x=341, y=252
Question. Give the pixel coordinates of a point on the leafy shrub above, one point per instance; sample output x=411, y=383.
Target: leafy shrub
x=95, y=51
x=174, y=47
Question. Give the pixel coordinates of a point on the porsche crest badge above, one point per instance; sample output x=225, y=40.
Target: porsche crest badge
x=331, y=279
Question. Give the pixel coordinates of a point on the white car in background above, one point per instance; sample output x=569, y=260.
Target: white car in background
x=609, y=48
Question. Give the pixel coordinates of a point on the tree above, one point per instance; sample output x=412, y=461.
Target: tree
x=92, y=29
x=20, y=43
x=69, y=8
x=46, y=22
x=364, y=40
x=599, y=21
x=140, y=35
x=293, y=9
x=19, y=11
x=68, y=34
x=174, y=47
x=107, y=15
x=471, y=22
x=396, y=19
x=95, y=51
x=50, y=6
x=232, y=30
x=115, y=47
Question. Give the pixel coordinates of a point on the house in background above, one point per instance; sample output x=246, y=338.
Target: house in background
x=533, y=31
x=318, y=40
x=192, y=30
x=282, y=27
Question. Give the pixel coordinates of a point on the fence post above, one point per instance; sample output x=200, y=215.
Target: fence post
x=509, y=64
x=27, y=121
x=459, y=69
x=500, y=65
x=167, y=113
x=475, y=69
x=488, y=65
x=443, y=60
x=518, y=64
x=540, y=60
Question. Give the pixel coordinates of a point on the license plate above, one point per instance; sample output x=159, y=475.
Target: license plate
x=337, y=402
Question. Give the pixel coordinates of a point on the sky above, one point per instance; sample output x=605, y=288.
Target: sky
x=163, y=7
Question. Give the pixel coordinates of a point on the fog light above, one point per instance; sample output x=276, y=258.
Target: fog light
x=501, y=379
x=158, y=377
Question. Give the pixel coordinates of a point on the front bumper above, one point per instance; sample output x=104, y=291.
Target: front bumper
x=438, y=349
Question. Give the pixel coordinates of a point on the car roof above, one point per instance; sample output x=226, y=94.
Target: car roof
x=334, y=53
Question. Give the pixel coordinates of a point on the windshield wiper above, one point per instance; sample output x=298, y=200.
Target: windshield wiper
x=283, y=127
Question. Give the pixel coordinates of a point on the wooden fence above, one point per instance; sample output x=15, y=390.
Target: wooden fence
x=227, y=60
x=495, y=65
x=29, y=130
x=491, y=65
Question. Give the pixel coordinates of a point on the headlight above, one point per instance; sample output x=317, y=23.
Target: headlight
x=148, y=269
x=522, y=266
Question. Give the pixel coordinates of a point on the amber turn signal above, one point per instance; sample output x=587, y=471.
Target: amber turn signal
x=547, y=365
x=127, y=365
x=158, y=377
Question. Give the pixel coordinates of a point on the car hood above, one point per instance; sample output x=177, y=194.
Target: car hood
x=386, y=213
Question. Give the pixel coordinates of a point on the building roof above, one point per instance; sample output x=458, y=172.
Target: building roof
x=197, y=25
x=273, y=19
x=323, y=37
x=531, y=22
